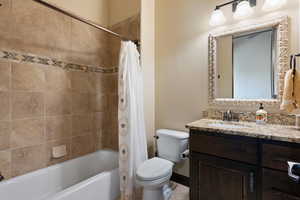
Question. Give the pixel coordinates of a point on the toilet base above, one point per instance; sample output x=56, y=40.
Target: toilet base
x=159, y=193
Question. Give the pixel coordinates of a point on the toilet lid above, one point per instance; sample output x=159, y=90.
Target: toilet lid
x=154, y=169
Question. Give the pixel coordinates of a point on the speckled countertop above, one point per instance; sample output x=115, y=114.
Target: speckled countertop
x=248, y=129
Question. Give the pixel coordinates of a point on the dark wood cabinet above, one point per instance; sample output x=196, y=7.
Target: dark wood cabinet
x=278, y=186
x=224, y=167
x=220, y=179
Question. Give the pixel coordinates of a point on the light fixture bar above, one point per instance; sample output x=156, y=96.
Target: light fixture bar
x=235, y=3
x=225, y=4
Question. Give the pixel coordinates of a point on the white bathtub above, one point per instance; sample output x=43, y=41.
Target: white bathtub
x=91, y=177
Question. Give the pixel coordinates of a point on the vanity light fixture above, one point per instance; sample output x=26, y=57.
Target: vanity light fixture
x=243, y=10
x=217, y=18
x=270, y=5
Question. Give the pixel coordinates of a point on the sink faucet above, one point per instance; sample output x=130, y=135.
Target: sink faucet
x=230, y=116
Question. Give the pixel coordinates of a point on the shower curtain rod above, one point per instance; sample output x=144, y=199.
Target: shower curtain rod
x=86, y=21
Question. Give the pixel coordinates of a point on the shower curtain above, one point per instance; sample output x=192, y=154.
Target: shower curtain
x=132, y=133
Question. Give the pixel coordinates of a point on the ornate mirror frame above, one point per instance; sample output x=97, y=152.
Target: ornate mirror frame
x=282, y=61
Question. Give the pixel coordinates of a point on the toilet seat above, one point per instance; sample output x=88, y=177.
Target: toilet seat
x=154, y=169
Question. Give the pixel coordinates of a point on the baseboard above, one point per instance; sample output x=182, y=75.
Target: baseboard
x=178, y=178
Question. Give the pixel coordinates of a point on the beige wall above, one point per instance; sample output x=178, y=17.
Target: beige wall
x=181, y=59
x=148, y=64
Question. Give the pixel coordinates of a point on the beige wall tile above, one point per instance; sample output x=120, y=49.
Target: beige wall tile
x=47, y=32
x=115, y=46
x=5, y=164
x=58, y=79
x=28, y=77
x=101, y=121
x=27, y=132
x=113, y=101
x=58, y=103
x=89, y=45
x=82, y=145
x=27, y=104
x=5, y=133
x=83, y=82
x=106, y=139
x=58, y=128
x=101, y=102
x=107, y=83
x=81, y=103
x=4, y=105
x=114, y=138
x=5, y=24
x=5, y=72
x=82, y=124
x=49, y=158
x=28, y=159
x=99, y=140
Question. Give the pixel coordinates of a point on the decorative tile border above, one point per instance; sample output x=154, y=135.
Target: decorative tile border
x=35, y=59
x=273, y=118
x=282, y=24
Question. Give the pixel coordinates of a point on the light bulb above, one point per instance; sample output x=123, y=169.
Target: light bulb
x=243, y=10
x=217, y=18
x=273, y=4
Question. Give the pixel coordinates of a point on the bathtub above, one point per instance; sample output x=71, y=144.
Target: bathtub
x=91, y=177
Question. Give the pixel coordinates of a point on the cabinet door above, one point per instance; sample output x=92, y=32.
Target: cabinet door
x=219, y=179
x=278, y=186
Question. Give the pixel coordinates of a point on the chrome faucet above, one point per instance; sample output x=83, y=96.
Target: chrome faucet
x=230, y=116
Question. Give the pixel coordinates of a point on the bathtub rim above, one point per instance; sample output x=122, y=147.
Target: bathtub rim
x=41, y=171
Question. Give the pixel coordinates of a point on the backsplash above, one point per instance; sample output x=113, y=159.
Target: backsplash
x=273, y=118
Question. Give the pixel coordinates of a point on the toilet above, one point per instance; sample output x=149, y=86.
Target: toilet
x=154, y=174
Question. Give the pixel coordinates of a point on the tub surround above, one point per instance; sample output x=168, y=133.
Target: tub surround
x=249, y=129
x=58, y=86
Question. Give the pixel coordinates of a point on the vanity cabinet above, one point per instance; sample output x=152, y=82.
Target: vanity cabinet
x=228, y=167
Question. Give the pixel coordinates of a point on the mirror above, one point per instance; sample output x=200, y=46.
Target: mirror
x=247, y=63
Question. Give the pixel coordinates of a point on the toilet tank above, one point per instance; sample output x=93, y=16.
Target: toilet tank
x=171, y=144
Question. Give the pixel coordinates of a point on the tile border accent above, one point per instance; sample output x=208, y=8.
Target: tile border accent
x=282, y=24
x=19, y=57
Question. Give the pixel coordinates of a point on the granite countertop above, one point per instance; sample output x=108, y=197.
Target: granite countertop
x=248, y=129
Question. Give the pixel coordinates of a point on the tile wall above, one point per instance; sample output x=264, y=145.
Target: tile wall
x=69, y=98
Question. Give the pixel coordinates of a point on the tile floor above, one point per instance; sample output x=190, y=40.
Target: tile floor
x=181, y=192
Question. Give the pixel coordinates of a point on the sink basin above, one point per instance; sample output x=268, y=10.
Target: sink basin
x=229, y=126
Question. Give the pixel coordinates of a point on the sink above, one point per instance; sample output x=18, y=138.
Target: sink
x=229, y=126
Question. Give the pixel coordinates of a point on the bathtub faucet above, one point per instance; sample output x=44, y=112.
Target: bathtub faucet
x=1, y=177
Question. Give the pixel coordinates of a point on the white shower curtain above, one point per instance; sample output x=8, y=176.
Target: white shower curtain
x=132, y=133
